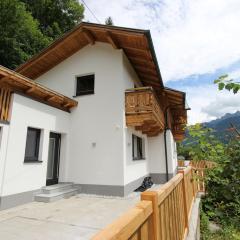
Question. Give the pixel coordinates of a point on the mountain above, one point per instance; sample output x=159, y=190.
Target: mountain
x=221, y=125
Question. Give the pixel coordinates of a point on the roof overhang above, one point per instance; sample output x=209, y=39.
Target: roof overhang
x=25, y=86
x=178, y=108
x=137, y=45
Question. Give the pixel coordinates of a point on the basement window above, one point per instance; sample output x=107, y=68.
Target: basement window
x=85, y=85
x=32, y=145
x=137, y=148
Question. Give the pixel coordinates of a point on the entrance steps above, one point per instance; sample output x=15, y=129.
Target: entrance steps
x=56, y=192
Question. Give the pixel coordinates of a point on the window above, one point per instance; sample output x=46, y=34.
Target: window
x=137, y=148
x=85, y=85
x=32, y=145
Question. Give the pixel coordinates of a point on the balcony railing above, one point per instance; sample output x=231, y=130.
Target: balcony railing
x=5, y=99
x=143, y=111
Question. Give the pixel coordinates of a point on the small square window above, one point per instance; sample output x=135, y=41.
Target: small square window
x=137, y=148
x=32, y=145
x=85, y=85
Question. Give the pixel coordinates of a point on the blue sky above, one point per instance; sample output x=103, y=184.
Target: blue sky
x=195, y=42
x=203, y=79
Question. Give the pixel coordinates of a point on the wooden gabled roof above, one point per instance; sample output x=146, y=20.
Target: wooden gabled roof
x=21, y=84
x=137, y=45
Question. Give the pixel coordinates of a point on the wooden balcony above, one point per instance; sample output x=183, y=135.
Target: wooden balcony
x=178, y=128
x=5, y=100
x=143, y=111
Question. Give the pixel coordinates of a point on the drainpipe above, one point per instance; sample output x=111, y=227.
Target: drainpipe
x=166, y=158
x=165, y=140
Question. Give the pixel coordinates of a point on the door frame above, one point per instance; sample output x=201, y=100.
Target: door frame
x=57, y=155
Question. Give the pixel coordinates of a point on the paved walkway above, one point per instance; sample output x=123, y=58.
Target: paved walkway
x=75, y=218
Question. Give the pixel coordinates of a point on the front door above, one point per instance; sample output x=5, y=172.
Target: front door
x=53, y=158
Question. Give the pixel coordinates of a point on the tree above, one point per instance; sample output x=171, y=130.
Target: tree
x=224, y=82
x=55, y=16
x=201, y=144
x=109, y=21
x=20, y=37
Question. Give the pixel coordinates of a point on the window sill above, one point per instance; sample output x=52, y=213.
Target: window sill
x=32, y=161
x=138, y=159
x=5, y=122
x=83, y=94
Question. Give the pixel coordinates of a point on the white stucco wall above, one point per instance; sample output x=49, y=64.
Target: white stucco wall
x=100, y=143
x=19, y=176
x=133, y=170
x=99, y=150
x=172, y=153
x=3, y=148
x=157, y=162
x=96, y=128
x=157, y=154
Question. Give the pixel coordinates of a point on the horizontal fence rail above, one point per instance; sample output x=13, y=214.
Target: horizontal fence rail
x=160, y=215
x=5, y=99
x=200, y=167
x=134, y=224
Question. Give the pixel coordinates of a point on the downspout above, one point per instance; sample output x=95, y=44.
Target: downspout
x=165, y=140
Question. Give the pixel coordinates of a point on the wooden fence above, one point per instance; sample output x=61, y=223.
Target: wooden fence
x=5, y=98
x=200, y=167
x=160, y=215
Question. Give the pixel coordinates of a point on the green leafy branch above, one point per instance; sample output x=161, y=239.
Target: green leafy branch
x=224, y=82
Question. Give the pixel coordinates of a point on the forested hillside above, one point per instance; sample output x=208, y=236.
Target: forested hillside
x=28, y=26
x=222, y=126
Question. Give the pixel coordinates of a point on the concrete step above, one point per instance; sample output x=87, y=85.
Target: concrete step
x=50, y=197
x=57, y=188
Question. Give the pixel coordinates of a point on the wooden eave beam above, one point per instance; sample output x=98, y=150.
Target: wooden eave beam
x=152, y=84
x=111, y=40
x=141, y=60
x=145, y=51
x=49, y=50
x=67, y=105
x=146, y=70
x=50, y=98
x=88, y=35
x=146, y=76
x=3, y=79
x=31, y=89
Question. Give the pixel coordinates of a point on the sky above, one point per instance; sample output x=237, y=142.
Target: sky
x=195, y=41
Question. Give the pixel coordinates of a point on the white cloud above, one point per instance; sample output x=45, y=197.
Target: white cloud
x=208, y=103
x=235, y=75
x=190, y=36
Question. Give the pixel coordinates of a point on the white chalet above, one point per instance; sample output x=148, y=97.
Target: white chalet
x=90, y=110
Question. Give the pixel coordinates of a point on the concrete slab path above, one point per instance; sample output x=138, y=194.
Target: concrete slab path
x=75, y=218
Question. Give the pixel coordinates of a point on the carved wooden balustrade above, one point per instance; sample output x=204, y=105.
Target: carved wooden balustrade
x=178, y=127
x=5, y=99
x=143, y=111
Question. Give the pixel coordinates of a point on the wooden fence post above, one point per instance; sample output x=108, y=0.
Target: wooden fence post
x=153, y=197
x=185, y=200
x=193, y=182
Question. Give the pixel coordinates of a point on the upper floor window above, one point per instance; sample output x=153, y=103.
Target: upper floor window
x=138, y=150
x=85, y=85
x=32, y=145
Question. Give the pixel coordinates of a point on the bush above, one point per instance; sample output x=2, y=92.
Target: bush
x=222, y=201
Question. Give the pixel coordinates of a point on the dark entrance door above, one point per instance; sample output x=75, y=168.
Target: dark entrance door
x=53, y=158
